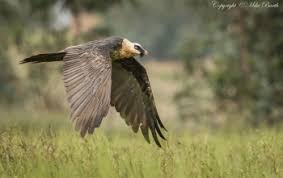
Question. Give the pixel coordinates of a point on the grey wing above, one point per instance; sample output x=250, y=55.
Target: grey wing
x=87, y=79
x=133, y=99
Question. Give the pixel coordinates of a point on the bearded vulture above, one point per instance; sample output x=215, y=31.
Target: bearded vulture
x=104, y=73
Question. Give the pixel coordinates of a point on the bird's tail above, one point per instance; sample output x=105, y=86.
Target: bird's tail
x=48, y=57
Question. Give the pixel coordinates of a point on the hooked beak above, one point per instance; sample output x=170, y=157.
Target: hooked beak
x=143, y=52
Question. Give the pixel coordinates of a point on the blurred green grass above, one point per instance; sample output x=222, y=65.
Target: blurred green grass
x=45, y=145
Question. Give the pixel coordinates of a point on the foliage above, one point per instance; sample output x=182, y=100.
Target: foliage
x=239, y=55
x=168, y=22
x=233, y=58
x=27, y=28
x=58, y=151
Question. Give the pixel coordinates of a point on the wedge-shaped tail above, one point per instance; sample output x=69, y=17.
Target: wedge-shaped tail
x=48, y=57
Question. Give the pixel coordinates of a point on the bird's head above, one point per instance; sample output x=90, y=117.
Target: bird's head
x=127, y=49
x=132, y=49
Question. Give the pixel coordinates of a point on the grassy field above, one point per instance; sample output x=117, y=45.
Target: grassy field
x=45, y=145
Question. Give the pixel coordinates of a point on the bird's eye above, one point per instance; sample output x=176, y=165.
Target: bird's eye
x=137, y=47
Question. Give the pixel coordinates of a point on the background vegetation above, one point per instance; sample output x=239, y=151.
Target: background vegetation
x=216, y=74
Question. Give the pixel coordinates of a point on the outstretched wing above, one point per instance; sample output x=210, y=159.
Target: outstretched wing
x=87, y=78
x=132, y=97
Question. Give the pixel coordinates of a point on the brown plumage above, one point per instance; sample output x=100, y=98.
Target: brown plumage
x=104, y=73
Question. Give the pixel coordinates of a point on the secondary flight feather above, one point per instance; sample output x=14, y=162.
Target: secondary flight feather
x=104, y=73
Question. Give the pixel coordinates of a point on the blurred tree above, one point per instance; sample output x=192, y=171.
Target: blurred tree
x=14, y=15
x=78, y=6
x=27, y=27
x=246, y=49
x=159, y=25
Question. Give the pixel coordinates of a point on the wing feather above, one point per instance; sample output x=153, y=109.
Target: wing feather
x=87, y=78
x=132, y=97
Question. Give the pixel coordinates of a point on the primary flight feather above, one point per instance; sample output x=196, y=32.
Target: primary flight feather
x=104, y=73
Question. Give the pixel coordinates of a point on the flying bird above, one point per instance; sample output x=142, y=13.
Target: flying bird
x=103, y=73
